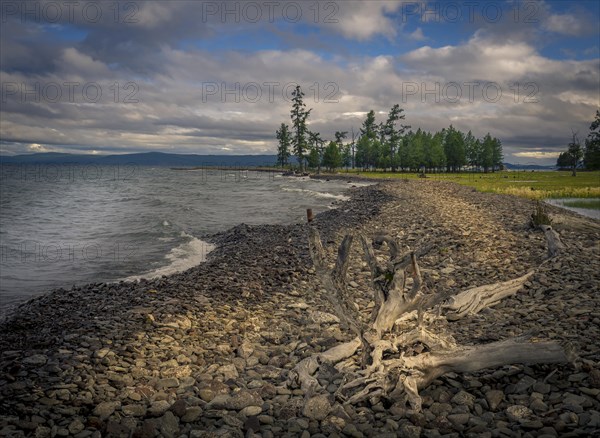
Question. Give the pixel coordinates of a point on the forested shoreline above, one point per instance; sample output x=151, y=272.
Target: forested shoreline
x=387, y=145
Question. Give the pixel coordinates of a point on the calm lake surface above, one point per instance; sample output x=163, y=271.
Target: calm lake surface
x=589, y=212
x=62, y=224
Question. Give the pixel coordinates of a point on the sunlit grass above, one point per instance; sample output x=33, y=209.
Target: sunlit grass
x=526, y=184
x=541, y=193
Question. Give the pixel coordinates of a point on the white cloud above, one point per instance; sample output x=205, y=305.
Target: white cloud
x=565, y=24
x=73, y=60
x=174, y=113
x=417, y=35
x=579, y=98
x=539, y=155
x=363, y=19
x=153, y=14
x=481, y=58
x=36, y=147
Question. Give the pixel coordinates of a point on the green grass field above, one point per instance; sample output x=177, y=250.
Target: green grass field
x=527, y=184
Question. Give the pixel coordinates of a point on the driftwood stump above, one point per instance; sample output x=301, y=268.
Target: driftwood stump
x=388, y=365
x=555, y=245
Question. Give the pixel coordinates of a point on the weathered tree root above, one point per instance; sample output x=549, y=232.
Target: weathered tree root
x=303, y=373
x=473, y=300
x=389, y=367
x=555, y=245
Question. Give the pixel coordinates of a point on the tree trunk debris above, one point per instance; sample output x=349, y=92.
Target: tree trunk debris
x=555, y=245
x=473, y=300
x=395, y=363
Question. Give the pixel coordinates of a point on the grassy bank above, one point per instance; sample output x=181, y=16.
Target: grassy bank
x=527, y=184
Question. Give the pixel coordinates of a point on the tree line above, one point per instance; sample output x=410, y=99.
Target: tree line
x=386, y=145
x=587, y=157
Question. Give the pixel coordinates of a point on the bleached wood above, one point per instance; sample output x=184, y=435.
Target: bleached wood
x=430, y=366
x=396, y=372
x=424, y=336
x=555, y=244
x=302, y=374
x=473, y=300
x=391, y=299
x=334, y=281
x=474, y=358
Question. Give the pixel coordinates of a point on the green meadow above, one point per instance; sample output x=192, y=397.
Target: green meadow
x=527, y=184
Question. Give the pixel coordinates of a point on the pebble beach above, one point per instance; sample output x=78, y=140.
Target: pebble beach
x=207, y=352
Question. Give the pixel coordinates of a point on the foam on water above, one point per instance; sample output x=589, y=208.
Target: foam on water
x=110, y=230
x=180, y=258
x=317, y=194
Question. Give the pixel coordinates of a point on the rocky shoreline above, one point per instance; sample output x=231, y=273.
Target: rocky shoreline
x=207, y=352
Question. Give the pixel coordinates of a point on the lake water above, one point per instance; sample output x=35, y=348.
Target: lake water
x=589, y=212
x=62, y=225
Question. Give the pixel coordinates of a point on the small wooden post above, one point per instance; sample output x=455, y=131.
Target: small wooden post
x=309, y=214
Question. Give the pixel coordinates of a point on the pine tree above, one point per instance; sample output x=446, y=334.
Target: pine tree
x=299, y=116
x=403, y=151
x=332, y=158
x=369, y=127
x=497, y=156
x=367, y=147
x=438, y=157
x=575, y=153
x=471, y=150
x=563, y=161
x=344, y=150
x=416, y=152
x=454, y=147
x=339, y=137
x=478, y=154
x=283, y=150
x=316, y=144
x=362, y=152
x=591, y=156
x=487, y=153
x=391, y=136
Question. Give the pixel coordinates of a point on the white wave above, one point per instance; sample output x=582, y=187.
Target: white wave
x=181, y=258
x=318, y=194
x=166, y=223
x=299, y=178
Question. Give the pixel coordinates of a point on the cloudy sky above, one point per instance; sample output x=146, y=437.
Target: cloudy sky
x=215, y=77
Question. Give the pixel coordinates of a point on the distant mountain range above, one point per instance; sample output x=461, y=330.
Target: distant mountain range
x=510, y=166
x=175, y=160
x=143, y=159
